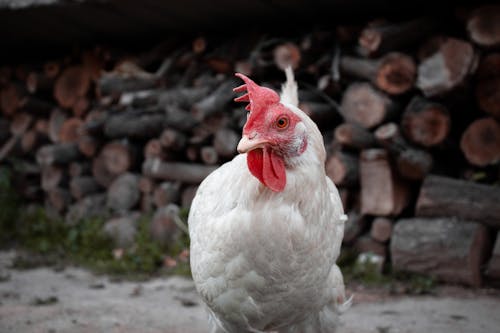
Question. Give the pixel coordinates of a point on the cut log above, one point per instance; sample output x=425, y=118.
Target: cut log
x=192, y=153
x=116, y=83
x=343, y=168
x=287, y=54
x=20, y=123
x=92, y=206
x=73, y=83
x=61, y=153
x=380, y=38
x=354, y=136
x=153, y=149
x=56, y=120
x=381, y=229
x=76, y=169
x=81, y=106
x=134, y=124
x=425, y=123
x=394, y=73
x=95, y=121
x=71, y=130
x=32, y=140
x=163, y=227
x=480, y=142
x=88, y=145
x=389, y=137
x=52, y=177
x=442, y=196
x=382, y=192
x=225, y=142
x=492, y=271
x=123, y=194
x=166, y=193
x=146, y=184
x=59, y=199
x=366, y=106
x=42, y=126
x=209, y=155
x=182, y=98
x=484, y=26
x=122, y=230
x=172, y=139
x=216, y=101
x=101, y=173
x=488, y=84
x=147, y=204
x=447, y=68
x=365, y=244
x=176, y=171
x=119, y=156
x=10, y=99
x=449, y=249
x=412, y=163
x=82, y=186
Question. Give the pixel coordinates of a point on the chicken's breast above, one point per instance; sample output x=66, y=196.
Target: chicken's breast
x=261, y=260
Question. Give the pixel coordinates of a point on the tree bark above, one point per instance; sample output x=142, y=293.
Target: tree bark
x=380, y=38
x=177, y=171
x=443, y=196
x=450, y=249
x=382, y=192
x=61, y=153
x=354, y=136
x=134, y=124
x=166, y=193
x=488, y=84
x=343, y=168
x=394, y=73
x=83, y=186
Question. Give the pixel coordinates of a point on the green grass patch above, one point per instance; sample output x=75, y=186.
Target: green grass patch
x=371, y=275
x=45, y=240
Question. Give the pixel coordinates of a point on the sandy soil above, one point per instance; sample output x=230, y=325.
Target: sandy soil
x=74, y=300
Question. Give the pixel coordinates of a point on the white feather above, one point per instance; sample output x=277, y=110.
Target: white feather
x=289, y=90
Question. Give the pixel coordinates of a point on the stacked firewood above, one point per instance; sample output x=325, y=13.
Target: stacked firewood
x=410, y=112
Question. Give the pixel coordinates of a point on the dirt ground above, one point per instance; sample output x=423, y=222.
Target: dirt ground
x=75, y=300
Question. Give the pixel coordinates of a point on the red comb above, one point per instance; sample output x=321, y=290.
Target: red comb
x=259, y=98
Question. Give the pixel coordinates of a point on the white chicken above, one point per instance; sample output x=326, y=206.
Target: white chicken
x=266, y=228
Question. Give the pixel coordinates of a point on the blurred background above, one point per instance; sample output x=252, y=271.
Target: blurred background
x=112, y=113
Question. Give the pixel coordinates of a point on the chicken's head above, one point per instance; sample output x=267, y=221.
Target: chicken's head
x=272, y=133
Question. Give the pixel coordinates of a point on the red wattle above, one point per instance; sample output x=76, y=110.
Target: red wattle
x=268, y=168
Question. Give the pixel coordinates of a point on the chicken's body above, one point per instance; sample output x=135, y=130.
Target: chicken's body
x=264, y=260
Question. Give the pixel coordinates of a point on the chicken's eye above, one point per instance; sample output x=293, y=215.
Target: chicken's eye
x=282, y=123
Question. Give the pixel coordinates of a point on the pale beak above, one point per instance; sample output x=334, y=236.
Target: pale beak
x=246, y=144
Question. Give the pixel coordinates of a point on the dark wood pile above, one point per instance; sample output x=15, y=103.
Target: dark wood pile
x=410, y=113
